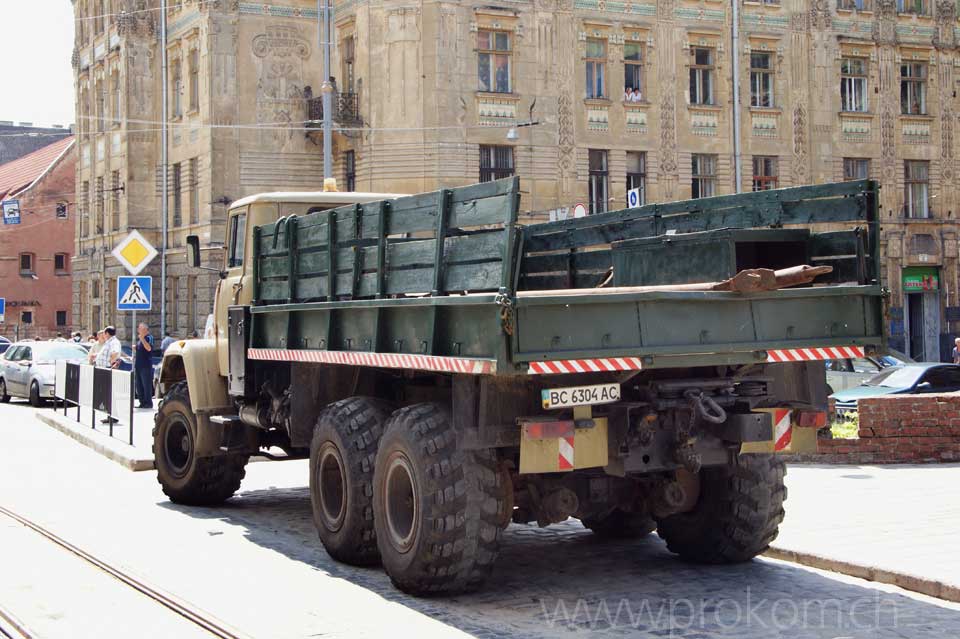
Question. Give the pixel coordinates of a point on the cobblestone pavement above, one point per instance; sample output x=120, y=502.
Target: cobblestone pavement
x=256, y=563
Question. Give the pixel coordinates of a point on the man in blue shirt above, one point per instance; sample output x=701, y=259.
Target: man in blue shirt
x=143, y=366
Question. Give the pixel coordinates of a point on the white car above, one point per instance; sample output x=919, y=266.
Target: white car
x=27, y=369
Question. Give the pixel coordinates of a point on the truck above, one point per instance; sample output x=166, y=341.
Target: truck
x=449, y=371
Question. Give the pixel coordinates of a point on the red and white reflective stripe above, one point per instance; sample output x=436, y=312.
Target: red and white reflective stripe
x=782, y=429
x=565, y=453
x=601, y=365
x=379, y=360
x=815, y=353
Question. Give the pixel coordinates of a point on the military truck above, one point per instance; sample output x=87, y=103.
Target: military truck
x=448, y=371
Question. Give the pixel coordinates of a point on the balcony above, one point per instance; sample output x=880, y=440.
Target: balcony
x=346, y=110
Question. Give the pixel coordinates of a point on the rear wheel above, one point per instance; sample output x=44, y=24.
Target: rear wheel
x=737, y=514
x=342, y=455
x=184, y=477
x=35, y=400
x=4, y=397
x=620, y=524
x=437, y=508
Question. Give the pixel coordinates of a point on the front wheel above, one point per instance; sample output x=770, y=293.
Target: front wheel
x=737, y=514
x=4, y=396
x=35, y=400
x=184, y=477
x=437, y=508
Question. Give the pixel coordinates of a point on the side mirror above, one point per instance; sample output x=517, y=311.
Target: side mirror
x=193, y=255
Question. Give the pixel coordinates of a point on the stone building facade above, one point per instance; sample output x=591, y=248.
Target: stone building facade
x=237, y=77
x=640, y=94
x=617, y=95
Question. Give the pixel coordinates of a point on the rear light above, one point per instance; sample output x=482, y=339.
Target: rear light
x=811, y=419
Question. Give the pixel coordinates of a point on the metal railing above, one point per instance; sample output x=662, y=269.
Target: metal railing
x=106, y=390
x=346, y=109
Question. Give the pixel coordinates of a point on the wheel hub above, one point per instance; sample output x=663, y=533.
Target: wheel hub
x=401, y=501
x=333, y=487
x=178, y=446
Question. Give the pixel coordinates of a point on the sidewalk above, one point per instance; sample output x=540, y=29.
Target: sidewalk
x=894, y=524
x=117, y=448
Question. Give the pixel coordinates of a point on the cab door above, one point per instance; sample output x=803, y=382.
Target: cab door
x=230, y=290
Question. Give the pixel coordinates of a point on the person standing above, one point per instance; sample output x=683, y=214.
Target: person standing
x=166, y=341
x=96, y=346
x=143, y=366
x=956, y=351
x=109, y=357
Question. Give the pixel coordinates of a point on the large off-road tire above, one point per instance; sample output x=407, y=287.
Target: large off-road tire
x=185, y=478
x=342, y=454
x=737, y=515
x=621, y=525
x=4, y=397
x=437, y=508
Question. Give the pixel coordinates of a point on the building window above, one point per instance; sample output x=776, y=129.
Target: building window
x=632, y=72
x=350, y=170
x=916, y=194
x=853, y=84
x=704, y=176
x=347, y=55
x=177, y=200
x=856, y=5
x=176, y=89
x=493, y=61
x=917, y=7
x=761, y=79
x=764, y=173
x=61, y=318
x=596, y=68
x=26, y=317
x=100, y=8
x=856, y=169
x=99, y=94
x=194, y=190
x=194, y=71
x=913, y=88
x=637, y=173
x=115, y=201
x=192, y=303
x=60, y=263
x=116, y=97
x=496, y=162
x=599, y=182
x=702, y=68
x=84, y=208
x=27, y=261
x=98, y=207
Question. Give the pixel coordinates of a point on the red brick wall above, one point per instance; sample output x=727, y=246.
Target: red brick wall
x=40, y=233
x=898, y=429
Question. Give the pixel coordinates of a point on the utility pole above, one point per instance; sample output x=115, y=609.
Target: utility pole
x=164, y=117
x=326, y=87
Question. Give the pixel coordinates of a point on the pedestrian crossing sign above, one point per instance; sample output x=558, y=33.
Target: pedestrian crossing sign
x=134, y=293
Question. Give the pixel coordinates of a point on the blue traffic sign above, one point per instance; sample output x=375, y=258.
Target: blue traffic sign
x=11, y=211
x=3, y=307
x=134, y=292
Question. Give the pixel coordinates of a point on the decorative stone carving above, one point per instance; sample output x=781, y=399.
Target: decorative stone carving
x=668, y=134
x=281, y=52
x=885, y=22
x=139, y=80
x=944, y=35
x=820, y=14
x=799, y=144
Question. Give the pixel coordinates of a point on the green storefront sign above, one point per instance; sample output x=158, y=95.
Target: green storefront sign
x=921, y=278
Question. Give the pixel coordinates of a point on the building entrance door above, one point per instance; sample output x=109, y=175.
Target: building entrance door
x=923, y=326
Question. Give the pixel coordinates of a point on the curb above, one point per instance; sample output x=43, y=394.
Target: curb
x=109, y=449
x=922, y=585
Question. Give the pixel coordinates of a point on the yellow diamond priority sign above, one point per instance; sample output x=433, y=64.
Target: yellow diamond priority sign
x=134, y=252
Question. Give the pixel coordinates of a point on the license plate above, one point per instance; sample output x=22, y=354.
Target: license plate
x=580, y=395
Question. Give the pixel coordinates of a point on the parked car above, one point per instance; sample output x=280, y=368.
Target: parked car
x=27, y=369
x=908, y=379
x=849, y=373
